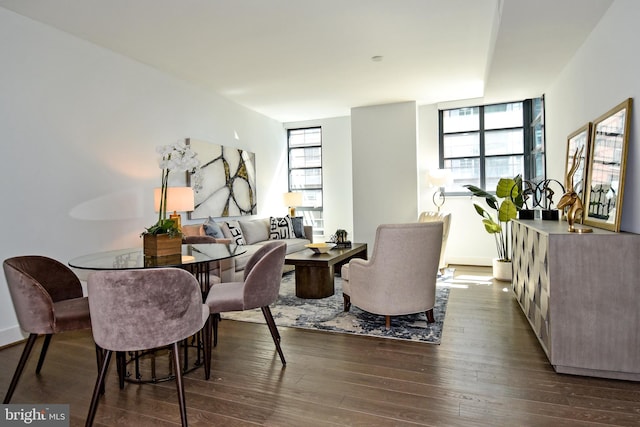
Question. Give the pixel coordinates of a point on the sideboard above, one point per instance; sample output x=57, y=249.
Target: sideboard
x=581, y=295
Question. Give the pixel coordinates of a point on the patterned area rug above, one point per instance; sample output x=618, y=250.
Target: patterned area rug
x=327, y=315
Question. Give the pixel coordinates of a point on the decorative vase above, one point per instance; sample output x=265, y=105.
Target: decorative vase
x=158, y=245
x=502, y=270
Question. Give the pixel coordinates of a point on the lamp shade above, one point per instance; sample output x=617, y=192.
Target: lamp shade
x=179, y=199
x=292, y=199
x=439, y=177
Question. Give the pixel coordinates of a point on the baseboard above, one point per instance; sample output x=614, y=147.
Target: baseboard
x=480, y=261
x=11, y=335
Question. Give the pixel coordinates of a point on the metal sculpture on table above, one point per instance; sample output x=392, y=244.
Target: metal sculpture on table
x=539, y=195
x=570, y=198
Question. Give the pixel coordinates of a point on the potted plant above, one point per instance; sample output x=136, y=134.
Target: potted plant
x=165, y=237
x=506, y=203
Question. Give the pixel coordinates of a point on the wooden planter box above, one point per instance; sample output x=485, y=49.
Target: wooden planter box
x=161, y=245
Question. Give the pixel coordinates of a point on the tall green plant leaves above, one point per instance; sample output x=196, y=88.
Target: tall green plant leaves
x=511, y=189
x=507, y=201
x=507, y=211
x=479, y=192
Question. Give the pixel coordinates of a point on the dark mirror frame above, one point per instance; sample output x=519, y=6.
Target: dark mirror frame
x=606, y=168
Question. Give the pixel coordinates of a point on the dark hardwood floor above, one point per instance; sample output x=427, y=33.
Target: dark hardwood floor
x=488, y=371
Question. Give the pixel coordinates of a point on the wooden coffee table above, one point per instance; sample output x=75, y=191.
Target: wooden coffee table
x=314, y=272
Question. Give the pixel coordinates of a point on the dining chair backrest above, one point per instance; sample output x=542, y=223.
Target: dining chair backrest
x=47, y=298
x=144, y=308
x=35, y=283
x=262, y=283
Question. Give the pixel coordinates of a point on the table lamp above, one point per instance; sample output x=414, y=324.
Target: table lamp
x=178, y=199
x=439, y=178
x=292, y=200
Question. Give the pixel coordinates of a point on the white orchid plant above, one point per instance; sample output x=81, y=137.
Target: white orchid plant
x=177, y=157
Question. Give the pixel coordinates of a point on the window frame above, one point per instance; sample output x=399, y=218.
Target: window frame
x=308, y=219
x=529, y=151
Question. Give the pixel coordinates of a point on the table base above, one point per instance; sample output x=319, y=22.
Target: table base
x=156, y=365
x=314, y=282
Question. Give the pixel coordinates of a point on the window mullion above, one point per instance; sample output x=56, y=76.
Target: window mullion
x=483, y=173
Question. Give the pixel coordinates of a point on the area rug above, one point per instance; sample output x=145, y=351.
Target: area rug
x=327, y=314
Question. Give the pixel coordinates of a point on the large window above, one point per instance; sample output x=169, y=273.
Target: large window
x=482, y=144
x=305, y=174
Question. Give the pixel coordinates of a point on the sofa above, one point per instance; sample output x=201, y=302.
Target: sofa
x=251, y=234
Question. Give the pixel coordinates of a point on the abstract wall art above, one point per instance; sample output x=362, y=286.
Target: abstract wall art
x=228, y=181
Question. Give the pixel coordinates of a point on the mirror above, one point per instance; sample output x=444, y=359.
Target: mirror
x=606, y=168
x=577, y=140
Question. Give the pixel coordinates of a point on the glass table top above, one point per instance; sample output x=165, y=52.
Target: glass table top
x=133, y=258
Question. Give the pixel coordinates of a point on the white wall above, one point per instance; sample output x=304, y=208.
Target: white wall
x=603, y=73
x=336, y=176
x=385, y=169
x=79, y=126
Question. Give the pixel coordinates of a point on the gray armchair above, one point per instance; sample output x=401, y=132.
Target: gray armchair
x=446, y=223
x=400, y=278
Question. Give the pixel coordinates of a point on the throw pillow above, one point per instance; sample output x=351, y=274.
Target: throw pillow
x=211, y=228
x=298, y=227
x=236, y=232
x=254, y=231
x=281, y=228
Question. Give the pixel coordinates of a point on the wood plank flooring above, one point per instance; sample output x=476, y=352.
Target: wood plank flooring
x=488, y=371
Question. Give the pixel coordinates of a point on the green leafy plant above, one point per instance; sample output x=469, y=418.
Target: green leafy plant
x=506, y=203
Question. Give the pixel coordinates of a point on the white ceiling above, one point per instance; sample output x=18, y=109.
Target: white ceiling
x=295, y=60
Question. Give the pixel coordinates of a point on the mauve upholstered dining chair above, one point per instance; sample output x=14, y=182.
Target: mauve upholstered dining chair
x=135, y=310
x=260, y=288
x=47, y=297
x=400, y=277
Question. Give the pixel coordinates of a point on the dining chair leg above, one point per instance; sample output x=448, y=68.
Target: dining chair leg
x=23, y=361
x=121, y=367
x=207, y=332
x=266, y=311
x=216, y=319
x=43, y=352
x=179, y=384
x=99, y=359
x=96, y=390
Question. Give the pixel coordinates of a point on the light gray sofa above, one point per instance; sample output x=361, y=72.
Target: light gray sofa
x=254, y=233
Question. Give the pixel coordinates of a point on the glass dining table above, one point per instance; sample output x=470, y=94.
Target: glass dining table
x=195, y=258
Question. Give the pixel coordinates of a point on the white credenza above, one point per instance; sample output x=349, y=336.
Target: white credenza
x=581, y=295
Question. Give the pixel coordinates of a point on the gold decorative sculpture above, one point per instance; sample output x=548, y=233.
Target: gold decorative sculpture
x=570, y=198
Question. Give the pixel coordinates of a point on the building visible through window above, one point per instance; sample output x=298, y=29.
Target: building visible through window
x=305, y=174
x=482, y=144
